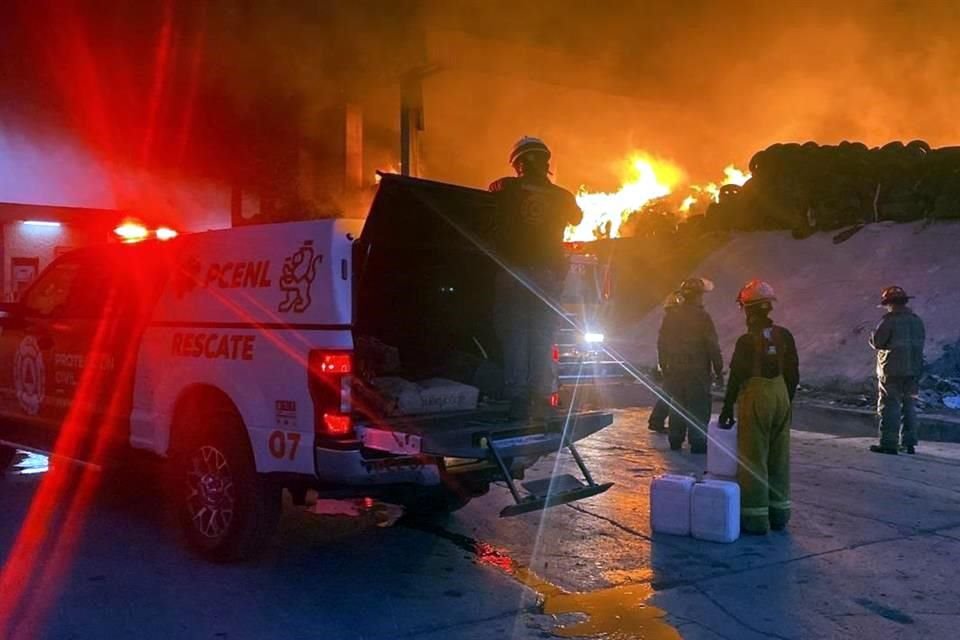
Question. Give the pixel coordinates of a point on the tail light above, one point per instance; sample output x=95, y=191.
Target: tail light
x=330, y=378
x=555, y=399
x=554, y=353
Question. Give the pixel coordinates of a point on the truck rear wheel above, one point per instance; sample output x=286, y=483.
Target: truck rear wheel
x=7, y=456
x=227, y=511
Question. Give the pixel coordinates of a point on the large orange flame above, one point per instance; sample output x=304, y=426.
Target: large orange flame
x=645, y=180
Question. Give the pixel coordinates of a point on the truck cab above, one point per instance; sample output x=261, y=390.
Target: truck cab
x=252, y=360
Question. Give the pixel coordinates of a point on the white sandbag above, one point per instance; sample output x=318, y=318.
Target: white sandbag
x=438, y=394
x=721, y=450
x=715, y=511
x=398, y=396
x=670, y=504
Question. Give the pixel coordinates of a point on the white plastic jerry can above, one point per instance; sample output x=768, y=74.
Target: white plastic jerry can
x=670, y=504
x=715, y=511
x=721, y=450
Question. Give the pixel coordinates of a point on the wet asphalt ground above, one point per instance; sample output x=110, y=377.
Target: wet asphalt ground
x=872, y=552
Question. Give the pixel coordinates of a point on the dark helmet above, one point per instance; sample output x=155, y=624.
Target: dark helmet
x=695, y=286
x=893, y=295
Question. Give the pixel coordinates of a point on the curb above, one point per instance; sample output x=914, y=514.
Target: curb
x=847, y=421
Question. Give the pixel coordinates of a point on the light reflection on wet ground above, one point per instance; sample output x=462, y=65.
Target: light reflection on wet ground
x=620, y=612
x=29, y=464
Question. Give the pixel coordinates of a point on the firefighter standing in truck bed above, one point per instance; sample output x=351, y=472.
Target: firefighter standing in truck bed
x=688, y=352
x=532, y=214
x=764, y=374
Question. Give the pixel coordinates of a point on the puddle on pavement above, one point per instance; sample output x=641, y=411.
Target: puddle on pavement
x=620, y=612
x=629, y=576
x=325, y=521
x=381, y=514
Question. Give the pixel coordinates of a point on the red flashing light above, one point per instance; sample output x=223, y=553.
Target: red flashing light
x=337, y=424
x=131, y=232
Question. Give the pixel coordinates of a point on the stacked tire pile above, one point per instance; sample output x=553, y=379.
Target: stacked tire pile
x=811, y=187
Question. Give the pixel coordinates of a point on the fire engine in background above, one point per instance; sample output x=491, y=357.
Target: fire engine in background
x=355, y=359
x=579, y=355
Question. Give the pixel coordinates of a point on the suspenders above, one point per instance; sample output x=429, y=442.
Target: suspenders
x=761, y=348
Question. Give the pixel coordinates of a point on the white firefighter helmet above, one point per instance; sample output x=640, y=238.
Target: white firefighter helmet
x=525, y=145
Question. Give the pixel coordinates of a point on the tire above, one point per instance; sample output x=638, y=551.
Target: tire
x=7, y=456
x=227, y=511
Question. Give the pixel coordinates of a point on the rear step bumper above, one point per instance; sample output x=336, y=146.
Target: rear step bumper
x=469, y=437
x=552, y=497
x=500, y=442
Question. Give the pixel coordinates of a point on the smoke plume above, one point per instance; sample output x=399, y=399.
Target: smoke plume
x=232, y=90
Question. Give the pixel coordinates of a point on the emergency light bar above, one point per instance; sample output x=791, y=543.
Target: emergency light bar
x=132, y=231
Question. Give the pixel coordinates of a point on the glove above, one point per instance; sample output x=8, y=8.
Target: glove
x=726, y=418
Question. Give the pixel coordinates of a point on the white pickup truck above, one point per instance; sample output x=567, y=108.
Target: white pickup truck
x=241, y=359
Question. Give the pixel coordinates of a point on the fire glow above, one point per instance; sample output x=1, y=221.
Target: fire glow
x=646, y=179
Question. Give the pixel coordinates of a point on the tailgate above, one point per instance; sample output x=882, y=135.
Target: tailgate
x=468, y=434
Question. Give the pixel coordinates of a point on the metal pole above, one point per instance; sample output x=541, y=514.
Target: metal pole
x=505, y=471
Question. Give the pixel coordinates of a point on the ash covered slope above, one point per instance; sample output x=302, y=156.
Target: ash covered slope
x=828, y=294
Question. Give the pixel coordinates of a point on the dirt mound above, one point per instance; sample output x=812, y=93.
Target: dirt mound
x=829, y=292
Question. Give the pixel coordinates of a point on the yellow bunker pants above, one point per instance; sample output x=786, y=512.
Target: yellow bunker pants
x=763, y=443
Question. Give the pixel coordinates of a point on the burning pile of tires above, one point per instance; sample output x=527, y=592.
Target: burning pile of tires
x=811, y=187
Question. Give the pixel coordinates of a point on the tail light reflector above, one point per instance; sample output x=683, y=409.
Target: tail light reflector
x=330, y=380
x=555, y=353
x=337, y=424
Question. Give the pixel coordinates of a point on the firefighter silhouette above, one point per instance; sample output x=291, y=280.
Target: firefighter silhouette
x=297, y=276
